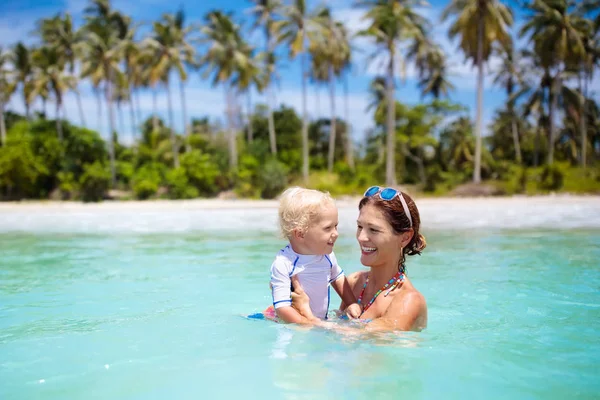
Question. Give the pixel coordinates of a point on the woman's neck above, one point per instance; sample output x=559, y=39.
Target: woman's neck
x=381, y=275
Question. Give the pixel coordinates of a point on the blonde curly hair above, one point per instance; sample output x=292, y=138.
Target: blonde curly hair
x=300, y=207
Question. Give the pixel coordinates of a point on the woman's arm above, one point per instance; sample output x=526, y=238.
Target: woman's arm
x=405, y=313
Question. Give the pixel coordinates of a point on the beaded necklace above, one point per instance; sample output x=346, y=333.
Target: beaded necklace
x=390, y=285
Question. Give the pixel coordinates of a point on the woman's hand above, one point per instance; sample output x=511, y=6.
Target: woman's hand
x=300, y=300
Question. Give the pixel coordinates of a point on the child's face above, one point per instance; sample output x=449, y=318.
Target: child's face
x=321, y=235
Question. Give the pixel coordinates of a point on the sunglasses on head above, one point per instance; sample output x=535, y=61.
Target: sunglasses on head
x=388, y=194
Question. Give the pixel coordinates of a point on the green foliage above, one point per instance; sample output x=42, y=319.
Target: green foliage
x=20, y=168
x=179, y=185
x=94, y=181
x=201, y=172
x=273, y=179
x=67, y=185
x=147, y=179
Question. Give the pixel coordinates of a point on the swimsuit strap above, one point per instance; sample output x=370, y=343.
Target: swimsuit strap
x=390, y=285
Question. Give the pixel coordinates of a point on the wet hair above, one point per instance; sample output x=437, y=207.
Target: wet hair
x=299, y=208
x=397, y=218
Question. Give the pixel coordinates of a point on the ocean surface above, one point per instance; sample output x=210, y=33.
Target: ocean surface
x=106, y=302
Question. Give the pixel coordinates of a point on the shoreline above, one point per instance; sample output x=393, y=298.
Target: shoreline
x=209, y=204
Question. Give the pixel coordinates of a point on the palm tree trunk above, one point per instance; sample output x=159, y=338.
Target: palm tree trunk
x=349, y=147
x=132, y=117
x=186, y=125
x=317, y=102
x=2, y=124
x=536, y=146
x=250, y=132
x=233, y=162
x=420, y=165
x=272, y=137
x=44, y=110
x=172, y=128
x=479, y=117
x=154, y=111
x=80, y=107
x=305, y=166
x=138, y=110
x=58, y=122
x=515, y=135
x=552, y=108
x=99, y=104
x=582, y=123
x=121, y=120
x=111, y=130
x=390, y=165
x=332, y=123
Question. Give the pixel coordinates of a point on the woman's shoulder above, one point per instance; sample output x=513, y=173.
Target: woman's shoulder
x=408, y=301
x=357, y=277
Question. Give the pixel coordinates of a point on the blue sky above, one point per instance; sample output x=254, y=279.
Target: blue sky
x=18, y=19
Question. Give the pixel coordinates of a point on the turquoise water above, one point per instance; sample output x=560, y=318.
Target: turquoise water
x=148, y=313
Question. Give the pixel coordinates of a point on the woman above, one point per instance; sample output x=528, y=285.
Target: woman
x=387, y=231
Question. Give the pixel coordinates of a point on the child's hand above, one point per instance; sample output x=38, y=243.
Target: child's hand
x=353, y=311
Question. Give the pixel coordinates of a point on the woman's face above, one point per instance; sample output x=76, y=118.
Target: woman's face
x=379, y=244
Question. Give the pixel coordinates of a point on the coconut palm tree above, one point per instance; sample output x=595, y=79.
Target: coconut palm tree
x=555, y=30
x=508, y=75
x=60, y=33
x=49, y=74
x=23, y=73
x=250, y=76
x=6, y=90
x=164, y=48
x=186, y=54
x=133, y=70
x=226, y=55
x=267, y=15
x=391, y=23
x=102, y=49
x=430, y=61
x=294, y=32
x=479, y=24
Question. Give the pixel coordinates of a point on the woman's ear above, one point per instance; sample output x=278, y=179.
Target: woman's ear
x=406, y=237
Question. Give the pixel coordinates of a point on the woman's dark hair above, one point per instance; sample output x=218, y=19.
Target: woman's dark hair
x=397, y=218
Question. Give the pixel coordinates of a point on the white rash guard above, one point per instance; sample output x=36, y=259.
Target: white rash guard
x=315, y=273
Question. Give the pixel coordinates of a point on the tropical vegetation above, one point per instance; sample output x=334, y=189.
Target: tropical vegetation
x=545, y=138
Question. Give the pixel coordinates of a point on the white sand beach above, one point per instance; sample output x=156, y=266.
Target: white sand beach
x=519, y=212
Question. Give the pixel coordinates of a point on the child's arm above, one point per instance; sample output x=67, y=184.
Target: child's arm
x=291, y=316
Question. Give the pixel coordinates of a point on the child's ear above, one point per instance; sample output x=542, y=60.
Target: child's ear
x=298, y=234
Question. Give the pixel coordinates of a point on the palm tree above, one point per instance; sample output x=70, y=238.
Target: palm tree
x=102, y=50
x=185, y=57
x=556, y=33
x=23, y=72
x=131, y=56
x=266, y=14
x=430, y=61
x=249, y=76
x=165, y=49
x=392, y=22
x=49, y=74
x=508, y=76
x=226, y=55
x=588, y=65
x=58, y=32
x=479, y=23
x=330, y=51
x=6, y=90
x=294, y=32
